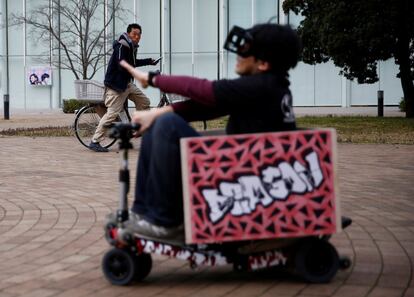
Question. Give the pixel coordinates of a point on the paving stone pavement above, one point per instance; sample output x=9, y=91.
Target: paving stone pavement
x=54, y=195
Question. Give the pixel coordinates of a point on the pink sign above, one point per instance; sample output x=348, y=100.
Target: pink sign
x=259, y=186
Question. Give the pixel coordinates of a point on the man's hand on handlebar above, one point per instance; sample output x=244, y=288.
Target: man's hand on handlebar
x=145, y=118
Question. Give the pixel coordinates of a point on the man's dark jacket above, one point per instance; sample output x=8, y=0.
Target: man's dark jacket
x=117, y=77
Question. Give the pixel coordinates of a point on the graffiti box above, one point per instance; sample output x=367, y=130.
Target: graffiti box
x=260, y=186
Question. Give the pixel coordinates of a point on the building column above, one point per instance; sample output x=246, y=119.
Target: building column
x=2, y=46
x=283, y=18
x=4, y=79
x=345, y=92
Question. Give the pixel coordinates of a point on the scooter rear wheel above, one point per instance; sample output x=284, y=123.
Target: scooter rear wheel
x=316, y=260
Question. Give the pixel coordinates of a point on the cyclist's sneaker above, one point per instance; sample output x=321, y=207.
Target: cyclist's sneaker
x=96, y=147
x=145, y=228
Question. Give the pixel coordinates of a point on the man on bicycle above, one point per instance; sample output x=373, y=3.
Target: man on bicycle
x=118, y=82
x=258, y=101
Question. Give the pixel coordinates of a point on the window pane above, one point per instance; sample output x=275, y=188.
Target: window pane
x=205, y=25
x=240, y=13
x=303, y=84
x=294, y=19
x=148, y=16
x=266, y=9
x=15, y=32
x=205, y=65
x=328, y=85
x=181, y=38
x=205, y=38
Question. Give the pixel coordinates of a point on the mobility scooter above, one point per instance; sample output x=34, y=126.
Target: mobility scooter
x=253, y=201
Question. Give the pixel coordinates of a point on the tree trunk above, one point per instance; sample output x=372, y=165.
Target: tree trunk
x=408, y=90
x=402, y=55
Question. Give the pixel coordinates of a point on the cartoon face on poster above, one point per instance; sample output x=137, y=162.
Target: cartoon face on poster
x=39, y=76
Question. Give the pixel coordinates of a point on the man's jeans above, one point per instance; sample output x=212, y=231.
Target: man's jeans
x=158, y=193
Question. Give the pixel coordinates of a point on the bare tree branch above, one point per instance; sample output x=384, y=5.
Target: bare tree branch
x=81, y=34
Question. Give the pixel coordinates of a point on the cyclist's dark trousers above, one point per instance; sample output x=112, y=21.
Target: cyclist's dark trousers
x=158, y=193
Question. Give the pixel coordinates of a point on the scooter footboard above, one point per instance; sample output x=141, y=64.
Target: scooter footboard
x=243, y=256
x=210, y=256
x=193, y=256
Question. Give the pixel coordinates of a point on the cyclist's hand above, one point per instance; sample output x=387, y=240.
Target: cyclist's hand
x=139, y=75
x=155, y=62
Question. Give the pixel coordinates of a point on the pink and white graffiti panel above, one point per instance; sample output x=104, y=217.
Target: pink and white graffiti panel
x=258, y=186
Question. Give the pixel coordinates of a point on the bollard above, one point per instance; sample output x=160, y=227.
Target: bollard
x=380, y=103
x=6, y=101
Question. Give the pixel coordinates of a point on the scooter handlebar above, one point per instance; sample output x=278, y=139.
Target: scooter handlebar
x=122, y=130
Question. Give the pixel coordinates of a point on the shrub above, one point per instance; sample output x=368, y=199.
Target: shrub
x=402, y=105
x=71, y=105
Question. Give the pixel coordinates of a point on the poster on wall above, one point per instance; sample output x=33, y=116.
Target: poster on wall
x=39, y=76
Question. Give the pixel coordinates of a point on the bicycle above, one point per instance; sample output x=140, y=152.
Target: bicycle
x=87, y=118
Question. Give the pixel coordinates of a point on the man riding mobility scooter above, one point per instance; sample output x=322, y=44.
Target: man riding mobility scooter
x=251, y=200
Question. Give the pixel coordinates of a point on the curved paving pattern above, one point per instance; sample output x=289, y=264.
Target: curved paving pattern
x=54, y=196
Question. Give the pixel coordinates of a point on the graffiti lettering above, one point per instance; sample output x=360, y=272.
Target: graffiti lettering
x=268, y=259
x=211, y=258
x=276, y=183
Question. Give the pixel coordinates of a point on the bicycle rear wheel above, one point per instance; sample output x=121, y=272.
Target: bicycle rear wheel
x=164, y=100
x=85, y=125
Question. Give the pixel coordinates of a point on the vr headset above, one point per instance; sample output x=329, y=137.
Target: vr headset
x=240, y=42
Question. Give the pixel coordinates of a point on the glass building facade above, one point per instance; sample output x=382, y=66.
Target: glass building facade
x=189, y=35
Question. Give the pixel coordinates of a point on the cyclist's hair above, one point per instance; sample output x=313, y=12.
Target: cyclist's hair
x=134, y=26
x=277, y=44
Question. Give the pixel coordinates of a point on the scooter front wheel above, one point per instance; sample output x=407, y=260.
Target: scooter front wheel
x=121, y=267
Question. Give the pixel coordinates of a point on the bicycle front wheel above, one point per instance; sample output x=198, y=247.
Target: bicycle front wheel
x=85, y=125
